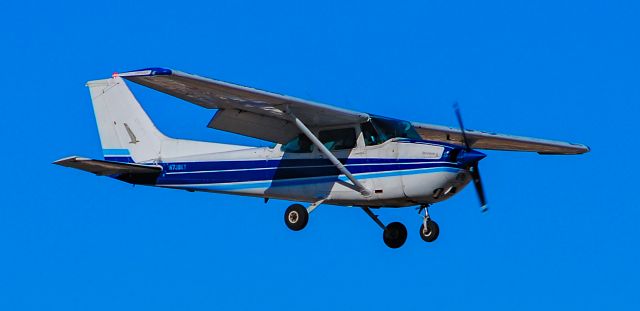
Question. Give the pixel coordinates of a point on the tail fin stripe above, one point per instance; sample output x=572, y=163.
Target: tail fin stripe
x=124, y=159
x=115, y=152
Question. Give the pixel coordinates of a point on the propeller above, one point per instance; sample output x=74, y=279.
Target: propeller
x=472, y=157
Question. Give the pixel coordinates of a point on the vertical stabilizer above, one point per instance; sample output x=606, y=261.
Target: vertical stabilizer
x=126, y=131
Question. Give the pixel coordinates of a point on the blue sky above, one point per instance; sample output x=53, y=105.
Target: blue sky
x=562, y=232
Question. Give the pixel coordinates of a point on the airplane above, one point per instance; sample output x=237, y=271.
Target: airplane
x=322, y=154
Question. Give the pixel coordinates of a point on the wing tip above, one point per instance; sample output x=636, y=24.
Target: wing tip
x=66, y=160
x=576, y=149
x=580, y=148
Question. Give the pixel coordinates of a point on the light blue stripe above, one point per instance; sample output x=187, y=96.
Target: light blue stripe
x=122, y=152
x=313, y=180
x=408, y=172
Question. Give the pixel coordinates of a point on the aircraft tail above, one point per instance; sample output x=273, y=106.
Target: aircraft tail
x=126, y=132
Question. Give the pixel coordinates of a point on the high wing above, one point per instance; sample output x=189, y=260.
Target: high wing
x=495, y=141
x=244, y=110
x=264, y=115
x=107, y=168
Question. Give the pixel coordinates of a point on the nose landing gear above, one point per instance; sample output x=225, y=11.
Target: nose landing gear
x=429, y=230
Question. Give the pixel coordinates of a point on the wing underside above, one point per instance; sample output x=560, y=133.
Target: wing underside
x=495, y=141
x=268, y=116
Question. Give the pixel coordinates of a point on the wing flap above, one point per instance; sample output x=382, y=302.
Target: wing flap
x=495, y=141
x=107, y=168
x=262, y=127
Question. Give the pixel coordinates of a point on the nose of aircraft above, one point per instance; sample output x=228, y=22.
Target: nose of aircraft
x=470, y=157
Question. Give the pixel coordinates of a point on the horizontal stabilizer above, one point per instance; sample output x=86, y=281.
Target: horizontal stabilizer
x=107, y=168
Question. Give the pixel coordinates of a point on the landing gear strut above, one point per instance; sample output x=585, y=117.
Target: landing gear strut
x=429, y=229
x=394, y=234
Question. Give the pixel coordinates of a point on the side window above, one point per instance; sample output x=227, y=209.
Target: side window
x=300, y=144
x=369, y=134
x=338, y=139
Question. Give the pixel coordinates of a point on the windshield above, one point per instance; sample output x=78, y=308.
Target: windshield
x=381, y=129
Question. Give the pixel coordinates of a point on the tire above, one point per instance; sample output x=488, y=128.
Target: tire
x=431, y=233
x=296, y=217
x=394, y=235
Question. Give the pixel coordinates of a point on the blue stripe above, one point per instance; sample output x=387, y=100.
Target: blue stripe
x=115, y=152
x=124, y=159
x=277, y=174
x=303, y=181
x=280, y=163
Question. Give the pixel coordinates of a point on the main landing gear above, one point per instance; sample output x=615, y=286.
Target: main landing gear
x=394, y=234
x=296, y=217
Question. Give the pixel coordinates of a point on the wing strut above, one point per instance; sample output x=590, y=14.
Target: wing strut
x=303, y=128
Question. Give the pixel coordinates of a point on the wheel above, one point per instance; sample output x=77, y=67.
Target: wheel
x=394, y=235
x=431, y=232
x=296, y=217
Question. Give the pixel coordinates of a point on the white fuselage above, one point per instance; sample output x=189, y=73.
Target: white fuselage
x=398, y=172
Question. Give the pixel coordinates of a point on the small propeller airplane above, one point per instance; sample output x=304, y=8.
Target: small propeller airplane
x=323, y=154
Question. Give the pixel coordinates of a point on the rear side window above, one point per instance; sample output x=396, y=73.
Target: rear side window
x=338, y=139
x=300, y=144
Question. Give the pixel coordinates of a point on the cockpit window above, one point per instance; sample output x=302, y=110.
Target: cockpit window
x=381, y=129
x=391, y=128
x=338, y=139
x=300, y=144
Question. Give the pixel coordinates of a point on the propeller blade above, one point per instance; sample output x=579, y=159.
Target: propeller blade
x=477, y=182
x=456, y=108
x=475, y=157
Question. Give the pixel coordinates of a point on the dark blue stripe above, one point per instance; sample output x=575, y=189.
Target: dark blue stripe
x=285, y=173
x=123, y=159
x=253, y=164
